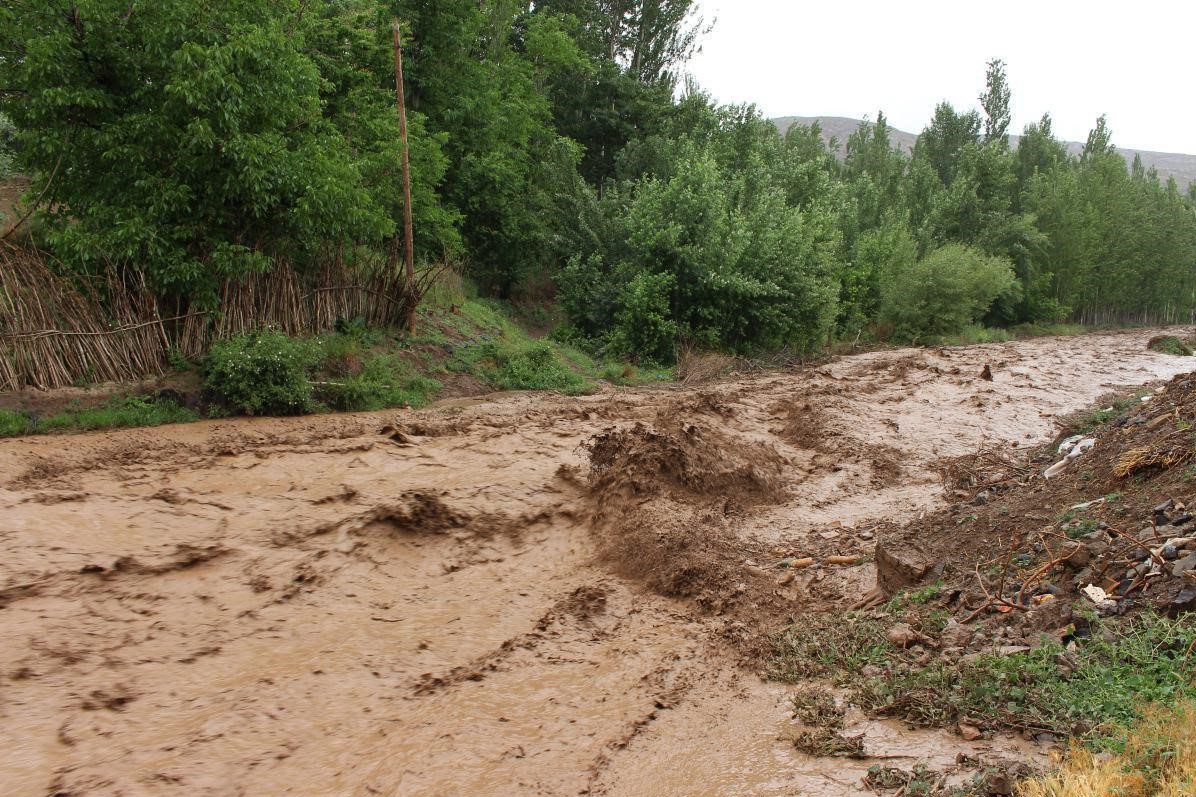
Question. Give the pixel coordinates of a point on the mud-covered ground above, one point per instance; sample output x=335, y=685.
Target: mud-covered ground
x=524, y=595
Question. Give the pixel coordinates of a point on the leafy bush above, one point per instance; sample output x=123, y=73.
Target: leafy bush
x=262, y=373
x=530, y=365
x=946, y=291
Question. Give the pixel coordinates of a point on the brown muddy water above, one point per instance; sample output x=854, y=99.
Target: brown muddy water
x=321, y=606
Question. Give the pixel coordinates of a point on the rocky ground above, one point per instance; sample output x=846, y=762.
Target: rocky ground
x=546, y=595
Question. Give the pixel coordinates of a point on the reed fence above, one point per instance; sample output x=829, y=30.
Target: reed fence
x=58, y=329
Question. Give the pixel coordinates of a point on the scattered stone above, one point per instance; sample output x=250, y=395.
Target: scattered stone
x=1184, y=565
x=1081, y=557
x=902, y=635
x=987, y=373
x=1013, y=650
x=970, y=733
x=956, y=635
x=1000, y=783
x=1185, y=601
x=900, y=567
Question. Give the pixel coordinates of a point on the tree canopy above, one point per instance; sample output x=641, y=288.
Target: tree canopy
x=556, y=153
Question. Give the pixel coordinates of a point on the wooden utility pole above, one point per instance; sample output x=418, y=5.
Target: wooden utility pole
x=408, y=227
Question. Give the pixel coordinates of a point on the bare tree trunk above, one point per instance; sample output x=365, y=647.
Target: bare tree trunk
x=408, y=226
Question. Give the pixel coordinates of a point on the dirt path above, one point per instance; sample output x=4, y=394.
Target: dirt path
x=420, y=603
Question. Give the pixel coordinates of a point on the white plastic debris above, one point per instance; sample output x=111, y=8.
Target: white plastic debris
x=1075, y=451
x=1100, y=598
x=1056, y=469
x=1067, y=445
x=1086, y=505
x=1081, y=448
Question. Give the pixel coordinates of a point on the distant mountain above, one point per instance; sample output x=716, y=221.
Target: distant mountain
x=1169, y=164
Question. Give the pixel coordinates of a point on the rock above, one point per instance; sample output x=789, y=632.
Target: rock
x=1013, y=650
x=1000, y=783
x=970, y=733
x=956, y=635
x=1164, y=507
x=1185, y=601
x=871, y=671
x=1170, y=552
x=900, y=565
x=1046, y=738
x=1181, y=520
x=981, y=498
x=987, y=373
x=1081, y=557
x=1184, y=565
x=902, y=635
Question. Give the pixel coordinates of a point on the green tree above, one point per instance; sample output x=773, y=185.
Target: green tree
x=995, y=101
x=480, y=74
x=1038, y=152
x=943, y=140
x=200, y=142
x=7, y=132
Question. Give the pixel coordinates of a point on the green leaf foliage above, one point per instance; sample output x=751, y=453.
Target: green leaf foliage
x=945, y=291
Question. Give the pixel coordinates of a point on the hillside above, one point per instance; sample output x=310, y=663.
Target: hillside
x=1170, y=164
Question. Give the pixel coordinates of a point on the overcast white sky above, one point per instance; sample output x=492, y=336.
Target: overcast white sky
x=1135, y=61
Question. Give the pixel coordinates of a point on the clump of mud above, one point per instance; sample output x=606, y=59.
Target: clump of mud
x=684, y=458
x=666, y=503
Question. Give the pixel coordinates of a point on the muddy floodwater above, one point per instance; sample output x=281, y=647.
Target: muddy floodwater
x=414, y=603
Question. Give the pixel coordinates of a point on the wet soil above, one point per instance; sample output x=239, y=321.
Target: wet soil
x=526, y=594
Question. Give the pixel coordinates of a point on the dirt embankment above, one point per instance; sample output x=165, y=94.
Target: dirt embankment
x=535, y=595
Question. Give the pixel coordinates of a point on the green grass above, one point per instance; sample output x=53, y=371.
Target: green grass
x=118, y=413
x=16, y=424
x=1095, y=692
x=519, y=365
x=1169, y=344
x=385, y=381
x=1097, y=418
